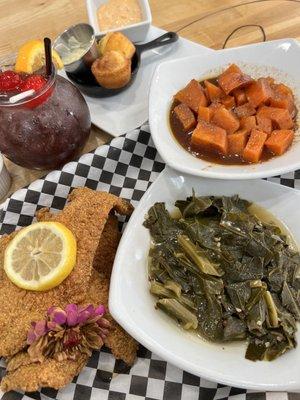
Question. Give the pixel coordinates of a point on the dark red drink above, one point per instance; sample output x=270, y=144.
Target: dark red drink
x=46, y=130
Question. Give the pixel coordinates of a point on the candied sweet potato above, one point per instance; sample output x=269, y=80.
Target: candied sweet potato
x=264, y=124
x=205, y=113
x=254, y=148
x=282, y=98
x=281, y=117
x=184, y=117
x=213, y=91
x=237, y=142
x=245, y=110
x=215, y=105
x=225, y=119
x=228, y=102
x=233, y=80
x=248, y=123
x=240, y=96
x=232, y=68
x=192, y=95
x=282, y=88
x=209, y=137
x=259, y=92
x=279, y=141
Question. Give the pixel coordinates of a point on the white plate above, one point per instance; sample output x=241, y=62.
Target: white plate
x=279, y=59
x=129, y=109
x=132, y=305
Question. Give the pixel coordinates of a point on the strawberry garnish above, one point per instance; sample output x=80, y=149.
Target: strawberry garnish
x=9, y=80
x=35, y=82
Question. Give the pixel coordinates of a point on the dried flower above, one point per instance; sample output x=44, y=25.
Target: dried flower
x=66, y=333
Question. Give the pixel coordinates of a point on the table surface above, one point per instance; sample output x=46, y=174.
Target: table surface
x=205, y=22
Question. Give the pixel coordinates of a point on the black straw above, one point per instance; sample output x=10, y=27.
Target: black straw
x=48, y=56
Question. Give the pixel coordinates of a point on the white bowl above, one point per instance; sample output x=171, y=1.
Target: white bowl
x=279, y=59
x=135, y=32
x=132, y=305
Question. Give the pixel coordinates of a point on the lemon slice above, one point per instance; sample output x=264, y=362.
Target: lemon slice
x=40, y=256
x=31, y=57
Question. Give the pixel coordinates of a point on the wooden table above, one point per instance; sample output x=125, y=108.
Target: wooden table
x=205, y=21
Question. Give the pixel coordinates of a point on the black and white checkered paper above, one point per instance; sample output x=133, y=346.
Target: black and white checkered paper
x=125, y=167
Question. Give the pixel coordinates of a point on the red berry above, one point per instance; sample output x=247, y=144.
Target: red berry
x=9, y=80
x=35, y=82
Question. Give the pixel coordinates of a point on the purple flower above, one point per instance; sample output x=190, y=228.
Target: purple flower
x=57, y=315
x=72, y=314
x=100, y=310
x=40, y=328
x=59, y=320
x=85, y=314
x=52, y=325
x=37, y=330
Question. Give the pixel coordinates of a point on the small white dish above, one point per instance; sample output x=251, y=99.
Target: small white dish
x=132, y=305
x=279, y=59
x=128, y=110
x=135, y=32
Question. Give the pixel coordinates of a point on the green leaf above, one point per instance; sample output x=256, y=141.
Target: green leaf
x=197, y=256
x=193, y=206
x=173, y=307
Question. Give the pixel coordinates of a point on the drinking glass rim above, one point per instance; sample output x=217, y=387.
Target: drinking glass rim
x=50, y=82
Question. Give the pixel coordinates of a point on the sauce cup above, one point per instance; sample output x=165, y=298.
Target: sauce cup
x=79, y=58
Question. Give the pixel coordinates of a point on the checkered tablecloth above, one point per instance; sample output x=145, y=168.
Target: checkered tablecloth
x=126, y=167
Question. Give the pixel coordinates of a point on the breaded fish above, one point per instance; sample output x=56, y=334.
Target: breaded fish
x=23, y=374
x=86, y=216
x=108, y=244
x=122, y=345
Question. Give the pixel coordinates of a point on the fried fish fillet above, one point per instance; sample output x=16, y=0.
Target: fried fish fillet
x=23, y=374
x=107, y=247
x=86, y=216
x=122, y=345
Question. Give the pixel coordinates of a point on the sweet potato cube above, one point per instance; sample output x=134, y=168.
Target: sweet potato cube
x=225, y=119
x=259, y=92
x=240, y=96
x=230, y=69
x=213, y=91
x=205, y=113
x=209, y=137
x=192, y=95
x=237, y=142
x=279, y=141
x=245, y=110
x=283, y=89
x=281, y=117
x=233, y=80
x=215, y=105
x=282, y=98
x=279, y=101
x=248, y=123
x=254, y=148
x=270, y=80
x=228, y=102
x=264, y=124
x=184, y=117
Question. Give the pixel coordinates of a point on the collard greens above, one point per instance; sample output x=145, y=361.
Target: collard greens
x=221, y=271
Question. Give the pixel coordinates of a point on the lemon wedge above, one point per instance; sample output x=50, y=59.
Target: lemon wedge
x=40, y=256
x=31, y=57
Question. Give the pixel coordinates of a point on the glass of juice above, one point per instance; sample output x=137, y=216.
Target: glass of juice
x=48, y=127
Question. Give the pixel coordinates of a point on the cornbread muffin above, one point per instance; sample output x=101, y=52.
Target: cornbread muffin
x=118, y=42
x=113, y=70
